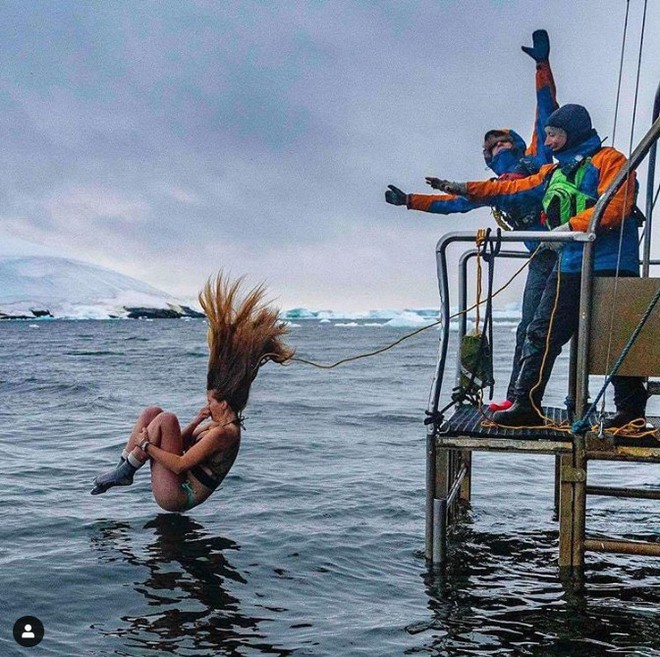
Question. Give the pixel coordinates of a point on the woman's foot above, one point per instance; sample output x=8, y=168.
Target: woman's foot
x=122, y=475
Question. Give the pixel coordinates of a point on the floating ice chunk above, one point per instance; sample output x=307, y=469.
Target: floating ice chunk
x=408, y=318
x=299, y=313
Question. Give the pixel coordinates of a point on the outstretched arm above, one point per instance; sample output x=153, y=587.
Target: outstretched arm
x=502, y=194
x=546, y=95
x=442, y=204
x=435, y=203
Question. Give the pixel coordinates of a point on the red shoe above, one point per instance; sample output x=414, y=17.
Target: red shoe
x=500, y=406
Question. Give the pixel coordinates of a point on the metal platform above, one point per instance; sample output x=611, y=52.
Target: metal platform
x=468, y=428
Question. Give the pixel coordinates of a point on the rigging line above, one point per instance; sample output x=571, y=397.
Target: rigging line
x=639, y=69
x=643, y=231
x=616, y=277
x=625, y=199
x=618, y=90
x=330, y=366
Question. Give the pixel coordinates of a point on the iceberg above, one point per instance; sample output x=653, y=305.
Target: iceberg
x=409, y=318
x=36, y=281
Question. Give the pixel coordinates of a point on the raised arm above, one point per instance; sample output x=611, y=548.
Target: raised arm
x=546, y=96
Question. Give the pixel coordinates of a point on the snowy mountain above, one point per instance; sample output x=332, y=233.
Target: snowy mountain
x=36, y=281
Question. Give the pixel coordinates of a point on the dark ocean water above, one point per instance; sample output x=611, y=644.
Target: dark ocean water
x=314, y=543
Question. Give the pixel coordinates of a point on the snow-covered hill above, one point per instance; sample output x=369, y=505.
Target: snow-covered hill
x=36, y=281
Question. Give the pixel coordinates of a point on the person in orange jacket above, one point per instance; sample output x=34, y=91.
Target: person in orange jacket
x=507, y=155
x=568, y=192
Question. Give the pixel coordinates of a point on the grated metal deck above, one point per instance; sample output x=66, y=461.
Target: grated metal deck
x=468, y=421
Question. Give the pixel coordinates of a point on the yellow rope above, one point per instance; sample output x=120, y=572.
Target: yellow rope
x=634, y=429
x=416, y=331
x=481, y=236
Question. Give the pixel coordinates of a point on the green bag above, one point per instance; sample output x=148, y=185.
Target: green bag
x=476, y=363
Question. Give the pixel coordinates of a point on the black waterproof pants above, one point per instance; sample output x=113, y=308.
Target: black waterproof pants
x=629, y=392
x=540, y=269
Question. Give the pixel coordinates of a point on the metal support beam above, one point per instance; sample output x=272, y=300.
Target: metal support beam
x=439, y=554
x=572, y=506
x=430, y=493
x=579, y=501
x=466, y=486
x=641, y=548
x=635, y=493
x=565, y=513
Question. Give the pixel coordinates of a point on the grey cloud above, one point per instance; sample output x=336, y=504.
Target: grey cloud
x=243, y=130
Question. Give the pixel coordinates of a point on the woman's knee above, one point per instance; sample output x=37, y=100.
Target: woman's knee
x=167, y=419
x=164, y=424
x=149, y=414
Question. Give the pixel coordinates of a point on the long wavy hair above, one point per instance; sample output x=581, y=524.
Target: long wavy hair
x=244, y=333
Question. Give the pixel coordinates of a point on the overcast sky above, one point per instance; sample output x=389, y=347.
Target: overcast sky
x=169, y=139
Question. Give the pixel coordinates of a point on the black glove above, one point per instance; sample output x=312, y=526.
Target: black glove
x=540, y=51
x=395, y=196
x=446, y=186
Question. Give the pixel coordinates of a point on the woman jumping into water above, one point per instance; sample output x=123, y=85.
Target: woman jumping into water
x=188, y=465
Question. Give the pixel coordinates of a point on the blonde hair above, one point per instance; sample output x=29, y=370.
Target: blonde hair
x=244, y=333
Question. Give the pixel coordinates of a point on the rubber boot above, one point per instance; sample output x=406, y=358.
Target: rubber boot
x=622, y=418
x=521, y=414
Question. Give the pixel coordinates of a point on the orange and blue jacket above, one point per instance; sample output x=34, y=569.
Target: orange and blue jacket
x=513, y=163
x=602, y=166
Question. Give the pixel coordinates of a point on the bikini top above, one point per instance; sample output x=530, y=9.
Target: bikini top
x=219, y=463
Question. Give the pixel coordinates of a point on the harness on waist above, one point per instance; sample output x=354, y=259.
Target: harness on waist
x=563, y=197
x=520, y=218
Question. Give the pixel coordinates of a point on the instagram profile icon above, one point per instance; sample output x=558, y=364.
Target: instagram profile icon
x=28, y=631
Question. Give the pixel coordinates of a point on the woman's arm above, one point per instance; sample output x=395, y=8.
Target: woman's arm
x=187, y=433
x=546, y=104
x=214, y=441
x=609, y=163
x=442, y=204
x=546, y=96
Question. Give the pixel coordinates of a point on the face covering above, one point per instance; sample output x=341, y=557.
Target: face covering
x=505, y=161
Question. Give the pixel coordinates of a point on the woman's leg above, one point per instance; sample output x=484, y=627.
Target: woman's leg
x=122, y=474
x=145, y=418
x=164, y=432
